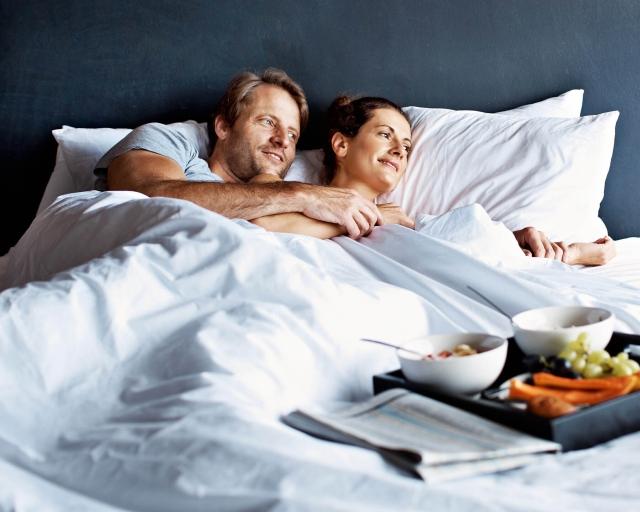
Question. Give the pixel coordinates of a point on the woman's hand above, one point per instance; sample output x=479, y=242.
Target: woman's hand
x=535, y=243
x=393, y=214
x=599, y=252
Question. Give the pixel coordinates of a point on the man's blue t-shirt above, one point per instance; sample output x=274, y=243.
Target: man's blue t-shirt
x=178, y=144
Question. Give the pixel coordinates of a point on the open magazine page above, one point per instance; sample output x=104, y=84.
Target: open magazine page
x=420, y=430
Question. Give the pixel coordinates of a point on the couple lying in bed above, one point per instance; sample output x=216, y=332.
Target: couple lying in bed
x=254, y=134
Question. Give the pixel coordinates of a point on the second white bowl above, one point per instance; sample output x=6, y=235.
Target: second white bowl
x=546, y=331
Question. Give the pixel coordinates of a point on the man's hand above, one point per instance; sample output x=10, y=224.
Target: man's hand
x=393, y=214
x=535, y=243
x=344, y=207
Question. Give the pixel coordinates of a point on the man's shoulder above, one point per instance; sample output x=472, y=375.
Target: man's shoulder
x=188, y=135
x=159, y=130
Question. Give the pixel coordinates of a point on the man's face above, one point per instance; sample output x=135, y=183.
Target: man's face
x=263, y=138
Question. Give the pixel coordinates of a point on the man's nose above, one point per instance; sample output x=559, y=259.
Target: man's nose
x=279, y=137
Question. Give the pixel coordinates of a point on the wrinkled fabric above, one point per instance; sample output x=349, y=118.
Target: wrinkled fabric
x=148, y=370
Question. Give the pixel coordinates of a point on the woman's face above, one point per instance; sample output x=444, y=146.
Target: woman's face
x=377, y=155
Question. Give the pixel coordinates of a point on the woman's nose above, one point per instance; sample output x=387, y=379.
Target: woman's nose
x=396, y=149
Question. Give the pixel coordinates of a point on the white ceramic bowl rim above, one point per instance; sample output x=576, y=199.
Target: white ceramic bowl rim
x=489, y=342
x=577, y=316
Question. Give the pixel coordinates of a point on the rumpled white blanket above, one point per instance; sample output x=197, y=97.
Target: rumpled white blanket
x=149, y=346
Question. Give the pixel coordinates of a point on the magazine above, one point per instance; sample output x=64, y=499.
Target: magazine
x=435, y=440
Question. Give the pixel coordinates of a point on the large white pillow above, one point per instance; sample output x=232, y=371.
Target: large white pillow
x=568, y=104
x=79, y=149
x=308, y=166
x=543, y=172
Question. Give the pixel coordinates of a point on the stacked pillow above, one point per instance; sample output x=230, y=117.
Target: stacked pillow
x=539, y=164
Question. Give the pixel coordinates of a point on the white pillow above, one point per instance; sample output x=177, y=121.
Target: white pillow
x=568, y=104
x=543, y=172
x=79, y=149
x=308, y=166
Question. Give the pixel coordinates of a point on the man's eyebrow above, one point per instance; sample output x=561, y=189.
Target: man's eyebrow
x=391, y=128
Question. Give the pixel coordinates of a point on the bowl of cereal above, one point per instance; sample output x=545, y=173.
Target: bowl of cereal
x=463, y=363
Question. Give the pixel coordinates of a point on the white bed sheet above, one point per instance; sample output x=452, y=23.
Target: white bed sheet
x=625, y=267
x=148, y=364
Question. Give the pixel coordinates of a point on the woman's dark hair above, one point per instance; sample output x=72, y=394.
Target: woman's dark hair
x=346, y=115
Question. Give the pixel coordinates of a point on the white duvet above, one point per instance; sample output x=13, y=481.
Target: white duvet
x=149, y=347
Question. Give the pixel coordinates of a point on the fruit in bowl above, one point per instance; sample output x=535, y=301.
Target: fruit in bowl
x=548, y=331
x=475, y=367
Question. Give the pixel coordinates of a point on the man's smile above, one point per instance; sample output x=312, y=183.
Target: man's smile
x=277, y=157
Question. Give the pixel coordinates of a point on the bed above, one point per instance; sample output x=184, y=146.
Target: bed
x=150, y=347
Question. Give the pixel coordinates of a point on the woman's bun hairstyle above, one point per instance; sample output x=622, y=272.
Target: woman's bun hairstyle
x=346, y=115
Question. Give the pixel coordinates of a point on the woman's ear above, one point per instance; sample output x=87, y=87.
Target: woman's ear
x=221, y=127
x=340, y=144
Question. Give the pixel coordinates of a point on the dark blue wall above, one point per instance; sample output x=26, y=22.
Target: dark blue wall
x=121, y=63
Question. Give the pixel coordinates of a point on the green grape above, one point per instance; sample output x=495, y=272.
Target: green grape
x=607, y=364
x=578, y=364
x=621, y=369
x=622, y=356
x=598, y=357
x=583, y=340
x=568, y=354
x=592, y=371
x=575, y=346
x=635, y=367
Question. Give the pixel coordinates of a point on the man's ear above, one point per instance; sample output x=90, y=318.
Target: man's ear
x=340, y=144
x=221, y=127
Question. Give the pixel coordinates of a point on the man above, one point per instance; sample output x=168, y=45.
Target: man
x=255, y=130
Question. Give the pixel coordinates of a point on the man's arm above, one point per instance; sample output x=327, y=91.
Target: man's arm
x=156, y=175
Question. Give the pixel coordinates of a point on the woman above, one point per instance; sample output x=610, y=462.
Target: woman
x=366, y=150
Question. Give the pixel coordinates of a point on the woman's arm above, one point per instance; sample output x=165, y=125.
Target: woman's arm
x=299, y=224
x=296, y=223
x=302, y=225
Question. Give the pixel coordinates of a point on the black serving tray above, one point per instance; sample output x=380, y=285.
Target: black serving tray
x=586, y=427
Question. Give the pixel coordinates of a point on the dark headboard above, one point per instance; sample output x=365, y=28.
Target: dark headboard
x=120, y=63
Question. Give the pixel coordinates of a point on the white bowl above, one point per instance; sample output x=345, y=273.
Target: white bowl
x=466, y=374
x=546, y=331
